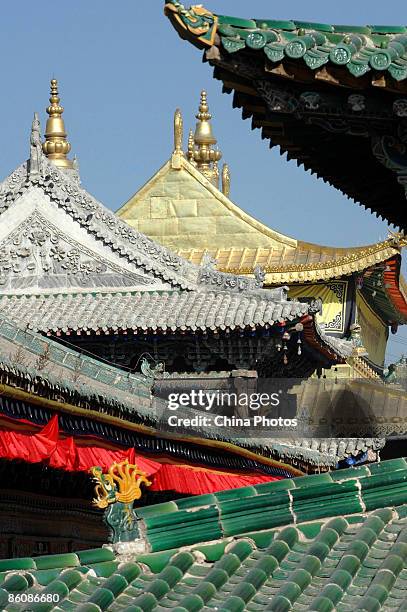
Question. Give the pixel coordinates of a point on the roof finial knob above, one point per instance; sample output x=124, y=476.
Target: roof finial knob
x=204, y=114
x=204, y=155
x=203, y=131
x=56, y=146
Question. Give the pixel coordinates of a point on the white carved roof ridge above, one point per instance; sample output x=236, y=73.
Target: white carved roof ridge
x=98, y=220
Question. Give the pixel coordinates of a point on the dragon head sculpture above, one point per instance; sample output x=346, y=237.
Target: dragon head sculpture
x=115, y=492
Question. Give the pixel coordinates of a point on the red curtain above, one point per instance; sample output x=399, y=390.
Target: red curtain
x=66, y=454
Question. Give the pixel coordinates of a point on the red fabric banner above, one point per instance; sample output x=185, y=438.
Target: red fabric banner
x=66, y=454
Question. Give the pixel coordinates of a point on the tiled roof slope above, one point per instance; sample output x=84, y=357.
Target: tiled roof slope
x=150, y=310
x=321, y=451
x=354, y=560
x=180, y=209
x=356, y=49
x=55, y=207
x=265, y=506
x=43, y=368
x=49, y=369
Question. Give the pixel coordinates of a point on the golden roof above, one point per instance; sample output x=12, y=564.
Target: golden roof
x=182, y=208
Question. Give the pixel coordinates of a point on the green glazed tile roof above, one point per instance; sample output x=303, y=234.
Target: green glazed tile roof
x=274, y=504
x=359, y=49
x=342, y=561
x=49, y=369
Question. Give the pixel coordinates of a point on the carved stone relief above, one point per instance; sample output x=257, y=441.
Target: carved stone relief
x=38, y=254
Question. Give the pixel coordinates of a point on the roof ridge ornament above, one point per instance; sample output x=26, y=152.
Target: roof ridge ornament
x=56, y=146
x=191, y=147
x=35, y=162
x=178, y=131
x=177, y=153
x=202, y=151
x=225, y=180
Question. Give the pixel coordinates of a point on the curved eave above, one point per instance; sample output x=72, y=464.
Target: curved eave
x=346, y=262
x=395, y=284
x=332, y=157
x=381, y=288
x=359, y=55
x=322, y=344
x=329, y=60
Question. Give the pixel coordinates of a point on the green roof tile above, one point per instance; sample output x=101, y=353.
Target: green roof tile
x=95, y=555
x=309, y=25
x=340, y=563
x=24, y=563
x=52, y=561
x=275, y=39
x=383, y=29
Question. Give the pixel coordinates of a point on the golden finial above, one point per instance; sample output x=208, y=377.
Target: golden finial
x=225, y=180
x=178, y=131
x=191, y=148
x=215, y=174
x=56, y=147
x=204, y=155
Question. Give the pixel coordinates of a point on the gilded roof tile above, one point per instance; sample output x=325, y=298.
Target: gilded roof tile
x=248, y=243
x=307, y=263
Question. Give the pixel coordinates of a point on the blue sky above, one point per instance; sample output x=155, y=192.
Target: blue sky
x=123, y=70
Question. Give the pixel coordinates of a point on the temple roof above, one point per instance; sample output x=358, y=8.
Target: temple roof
x=77, y=267
x=117, y=406
x=353, y=50
x=42, y=367
x=331, y=97
x=57, y=240
x=182, y=210
x=88, y=245
x=167, y=310
x=322, y=542
x=55, y=237
x=53, y=377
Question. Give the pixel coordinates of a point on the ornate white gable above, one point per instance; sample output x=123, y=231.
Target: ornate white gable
x=55, y=237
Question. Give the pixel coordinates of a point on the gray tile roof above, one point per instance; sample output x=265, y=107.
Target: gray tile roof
x=170, y=310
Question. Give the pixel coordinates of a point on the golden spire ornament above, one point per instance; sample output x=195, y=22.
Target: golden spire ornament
x=204, y=155
x=191, y=148
x=178, y=131
x=56, y=146
x=225, y=180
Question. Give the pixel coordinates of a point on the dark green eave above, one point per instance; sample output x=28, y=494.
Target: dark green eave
x=358, y=49
x=331, y=97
